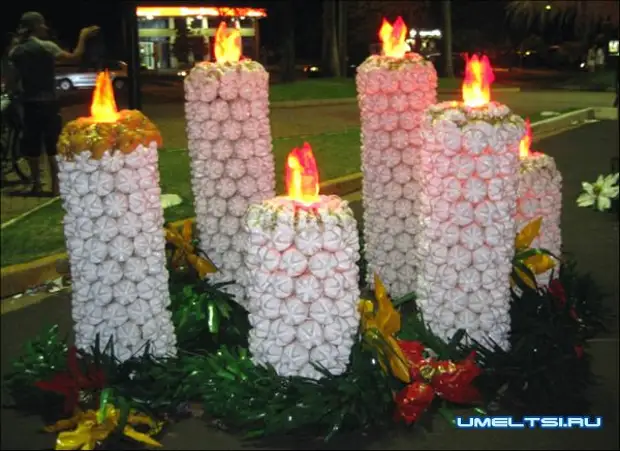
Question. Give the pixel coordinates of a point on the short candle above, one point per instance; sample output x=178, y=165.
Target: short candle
x=540, y=196
x=302, y=275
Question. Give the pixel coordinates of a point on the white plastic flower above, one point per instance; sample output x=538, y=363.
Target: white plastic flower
x=600, y=193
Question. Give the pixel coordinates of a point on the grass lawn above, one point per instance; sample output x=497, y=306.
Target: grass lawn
x=595, y=81
x=41, y=233
x=334, y=88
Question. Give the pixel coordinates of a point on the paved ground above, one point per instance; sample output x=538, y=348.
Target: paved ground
x=581, y=154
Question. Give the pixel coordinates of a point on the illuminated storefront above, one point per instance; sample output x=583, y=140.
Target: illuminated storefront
x=158, y=30
x=424, y=42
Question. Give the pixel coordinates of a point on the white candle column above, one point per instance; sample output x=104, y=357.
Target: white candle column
x=114, y=235
x=302, y=285
x=469, y=167
x=540, y=195
x=393, y=94
x=232, y=164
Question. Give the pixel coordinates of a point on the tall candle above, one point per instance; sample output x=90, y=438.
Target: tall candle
x=469, y=167
x=229, y=140
x=302, y=276
x=109, y=186
x=393, y=89
x=540, y=195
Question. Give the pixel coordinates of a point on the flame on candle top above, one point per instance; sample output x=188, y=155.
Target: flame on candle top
x=227, y=44
x=103, y=107
x=393, y=38
x=477, y=82
x=526, y=142
x=302, y=175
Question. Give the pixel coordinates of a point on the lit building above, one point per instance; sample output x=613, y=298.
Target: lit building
x=424, y=41
x=158, y=33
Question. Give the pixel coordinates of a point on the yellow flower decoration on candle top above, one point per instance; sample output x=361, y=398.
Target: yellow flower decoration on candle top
x=378, y=328
x=535, y=260
x=186, y=251
x=89, y=430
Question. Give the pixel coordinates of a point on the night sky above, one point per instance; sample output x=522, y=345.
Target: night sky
x=66, y=21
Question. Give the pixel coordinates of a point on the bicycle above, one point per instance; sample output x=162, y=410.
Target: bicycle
x=10, y=136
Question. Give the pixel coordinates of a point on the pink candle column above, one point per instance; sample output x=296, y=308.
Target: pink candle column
x=393, y=93
x=468, y=195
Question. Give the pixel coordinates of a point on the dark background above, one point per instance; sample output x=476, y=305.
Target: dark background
x=477, y=24
x=481, y=17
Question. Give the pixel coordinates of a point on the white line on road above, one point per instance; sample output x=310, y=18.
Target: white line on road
x=28, y=213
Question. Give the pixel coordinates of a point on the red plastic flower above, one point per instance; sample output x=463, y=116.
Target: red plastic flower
x=455, y=385
x=557, y=291
x=579, y=351
x=413, y=351
x=71, y=382
x=412, y=401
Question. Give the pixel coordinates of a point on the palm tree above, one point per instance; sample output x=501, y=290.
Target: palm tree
x=331, y=57
x=446, y=9
x=287, y=42
x=583, y=14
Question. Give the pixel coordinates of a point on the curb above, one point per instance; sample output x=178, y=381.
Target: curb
x=18, y=278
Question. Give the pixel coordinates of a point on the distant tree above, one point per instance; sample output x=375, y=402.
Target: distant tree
x=286, y=10
x=181, y=45
x=446, y=9
x=583, y=15
x=330, y=57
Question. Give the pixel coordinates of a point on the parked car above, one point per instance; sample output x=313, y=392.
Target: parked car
x=80, y=77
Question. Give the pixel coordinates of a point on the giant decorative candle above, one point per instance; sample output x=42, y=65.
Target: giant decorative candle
x=470, y=169
x=393, y=89
x=109, y=186
x=540, y=196
x=302, y=279
x=229, y=140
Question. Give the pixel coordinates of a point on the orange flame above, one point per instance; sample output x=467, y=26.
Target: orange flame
x=227, y=44
x=103, y=107
x=477, y=82
x=393, y=38
x=526, y=142
x=302, y=175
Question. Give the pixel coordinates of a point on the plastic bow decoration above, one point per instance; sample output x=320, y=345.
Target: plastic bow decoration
x=73, y=383
x=425, y=377
x=529, y=262
x=186, y=252
x=91, y=428
x=378, y=328
x=450, y=381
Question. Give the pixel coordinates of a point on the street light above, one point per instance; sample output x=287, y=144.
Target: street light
x=548, y=7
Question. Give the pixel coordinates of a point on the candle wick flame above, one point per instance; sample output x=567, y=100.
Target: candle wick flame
x=302, y=175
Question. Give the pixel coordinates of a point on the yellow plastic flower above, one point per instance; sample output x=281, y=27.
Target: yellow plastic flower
x=379, y=327
x=538, y=262
x=88, y=431
x=185, y=250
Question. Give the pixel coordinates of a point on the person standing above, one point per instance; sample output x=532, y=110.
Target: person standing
x=600, y=59
x=33, y=58
x=591, y=59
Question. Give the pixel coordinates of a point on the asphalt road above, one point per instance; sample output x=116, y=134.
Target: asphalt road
x=581, y=154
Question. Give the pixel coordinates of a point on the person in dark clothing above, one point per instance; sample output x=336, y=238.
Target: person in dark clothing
x=32, y=79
